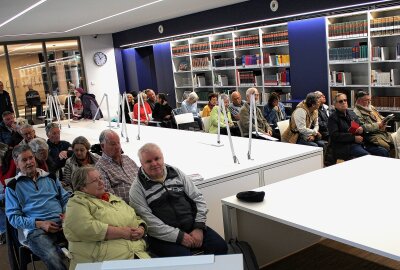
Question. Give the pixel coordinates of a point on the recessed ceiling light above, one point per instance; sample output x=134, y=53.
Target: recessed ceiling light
x=22, y=12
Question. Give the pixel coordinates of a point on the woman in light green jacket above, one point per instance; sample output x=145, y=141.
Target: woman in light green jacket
x=214, y=119
x=100, y=226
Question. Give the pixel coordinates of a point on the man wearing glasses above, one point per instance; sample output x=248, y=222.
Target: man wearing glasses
x=347, y=143
x=375, y=126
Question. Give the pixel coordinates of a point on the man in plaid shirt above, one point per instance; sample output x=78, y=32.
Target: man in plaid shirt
x=117, y=170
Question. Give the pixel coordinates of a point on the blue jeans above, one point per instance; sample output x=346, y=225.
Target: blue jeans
x=358, y=150
x=2, y=213
x=44, y=246
x=316, y=143
x=212, y=244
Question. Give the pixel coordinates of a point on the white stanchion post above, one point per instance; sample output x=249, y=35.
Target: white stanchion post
x=70, y=107
x=139, y=98
x=219, y=120
x=123, y=126
x=55, y=107
x=120, y=109
x=235, y=159
x=59, y=108
x=250, y=125
x=108, y=110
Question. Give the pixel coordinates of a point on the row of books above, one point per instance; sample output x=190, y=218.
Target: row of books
x=199, y=80
x=247, y=41
x=280, y=78
x=200, y=47
x=379, y=53
x=222, y=44
x=340, y=78
x=180, y=50
x=218, y=61
x=249, y=78
x=274, y=38
x=221, y=80
x=358, y=52
x=386, y=103
x=251, y=60
x=348, y=29
x=200, y=63
x=385, y=78
x=385, y=26
x=272, y=59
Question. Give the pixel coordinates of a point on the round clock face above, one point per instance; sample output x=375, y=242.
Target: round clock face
x=100, y=58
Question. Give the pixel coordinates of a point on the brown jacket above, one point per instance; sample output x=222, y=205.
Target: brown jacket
x=262, y=123
x=291, y=134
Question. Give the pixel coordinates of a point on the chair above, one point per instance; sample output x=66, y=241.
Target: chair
x=184, y=118
x=283, y=125
x=206, y=123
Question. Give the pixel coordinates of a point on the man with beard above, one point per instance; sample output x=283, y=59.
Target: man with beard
x=375, y=128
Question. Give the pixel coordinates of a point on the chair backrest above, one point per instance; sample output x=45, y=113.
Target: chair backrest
x=206, y=123
x=184, y=118
x=283, y=125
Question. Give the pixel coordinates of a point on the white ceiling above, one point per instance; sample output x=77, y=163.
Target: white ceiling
x=66, y=18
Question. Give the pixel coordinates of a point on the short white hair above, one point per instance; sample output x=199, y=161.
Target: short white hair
x=148, y=147
x=251, y=91
x=193, y=96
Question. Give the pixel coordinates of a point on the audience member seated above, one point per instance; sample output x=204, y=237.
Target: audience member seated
x=236, y=105
x=33, y=100
x=77, y=109
x=81, y=157
x=35, y=200
x=212, y=101
x=17, y=137
x=28, y=133
x=100, y=226
x=127, y=109
x=8, y=128
x=40, y=150
x=262, y=124
x=59, y=150
x=345, y=143
x=90, y=104
x=214, y=119
x=323, y=115
x=189, y=105
x=145, y=110
x=117, y=170
x=374, y=127
x=173, y=208
x=274, y=112
x=162, y=111
x=151, y=98
x=303, y=126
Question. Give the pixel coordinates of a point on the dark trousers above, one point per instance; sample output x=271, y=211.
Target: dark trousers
x=212, y=244
x=358, y=150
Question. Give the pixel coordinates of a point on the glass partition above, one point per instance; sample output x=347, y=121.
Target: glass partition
x=28, y=71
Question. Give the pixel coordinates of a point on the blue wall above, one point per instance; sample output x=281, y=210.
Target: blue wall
x=308, y=57
x=164, y=71
x=129, y=73
x=145, y=68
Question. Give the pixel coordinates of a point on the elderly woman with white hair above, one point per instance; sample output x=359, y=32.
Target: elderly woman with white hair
x=189, y=105
x=40, y=150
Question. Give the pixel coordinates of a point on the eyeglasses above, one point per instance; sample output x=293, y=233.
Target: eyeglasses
x=342, y=101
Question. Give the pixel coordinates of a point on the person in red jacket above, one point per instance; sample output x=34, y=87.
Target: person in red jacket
x=145, y=110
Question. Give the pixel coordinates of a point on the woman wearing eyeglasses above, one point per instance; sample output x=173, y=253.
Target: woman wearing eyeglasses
x=100, y=226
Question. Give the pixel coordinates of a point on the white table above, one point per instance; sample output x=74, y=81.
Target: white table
x=195, y=152
x=355, y=202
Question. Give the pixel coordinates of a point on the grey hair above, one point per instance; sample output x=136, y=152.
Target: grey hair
x=318, y=94
x=251, y=91
x=104, y=134
x=19, y=149
x=193, y=96
x=38, y=144
x=147, y=148
x=26, y=126
x=335, y=98
x=311, y=99
x=81, y=140
x=80, y=176
x=50, y=126
x=224, y=97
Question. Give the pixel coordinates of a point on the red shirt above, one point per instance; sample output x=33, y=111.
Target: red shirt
x=142, y=113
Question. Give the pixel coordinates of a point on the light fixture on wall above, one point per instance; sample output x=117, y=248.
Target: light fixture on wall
x=274, y=5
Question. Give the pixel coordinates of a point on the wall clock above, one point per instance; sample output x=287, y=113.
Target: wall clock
x=100, y=58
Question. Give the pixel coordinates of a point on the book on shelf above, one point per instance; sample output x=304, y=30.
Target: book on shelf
x=247, y=41
x=222, y=44
x=340, y=78
x=250, y=60
x=348, y=29
x=380, y=53
x=219, y=61
x=385, y=26
x=199, y=47
x=397, y=51
x=386, y=103
x=201, y=63
x=394, y=77
x=221, y=80
x=274, y=38
x=385, y=78
x=180, y=50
